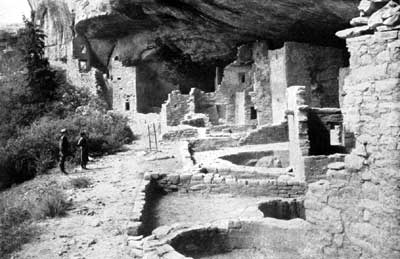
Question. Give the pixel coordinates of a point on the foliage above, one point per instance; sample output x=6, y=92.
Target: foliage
x=41, y=81
x=35, y=149
x=21, y=205
x=80, y=182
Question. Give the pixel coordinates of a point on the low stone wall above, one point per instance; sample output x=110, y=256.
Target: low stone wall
x=267, y=134
x=180, y=134
x=230, y=128
x=217, y=183
x=214, y=143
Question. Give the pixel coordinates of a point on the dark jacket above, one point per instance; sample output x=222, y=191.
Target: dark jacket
x=82, y=143
x=64, y=146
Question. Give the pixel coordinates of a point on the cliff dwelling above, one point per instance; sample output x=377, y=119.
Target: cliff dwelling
x=284, y=115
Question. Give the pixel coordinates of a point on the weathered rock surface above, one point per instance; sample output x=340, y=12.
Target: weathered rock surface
x=204, y=30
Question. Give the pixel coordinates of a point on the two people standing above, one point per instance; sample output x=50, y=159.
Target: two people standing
x=65, y=151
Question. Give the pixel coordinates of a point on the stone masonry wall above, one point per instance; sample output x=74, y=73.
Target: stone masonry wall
x=175, y=108
x=266, y=134
x=205, y=103
x=357, y=210
x=278, y=84
x=297, y=116
x=235, y=86
x=123, y=83
x=261, y=95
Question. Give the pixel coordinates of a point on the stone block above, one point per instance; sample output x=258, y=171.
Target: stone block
x=354, y=162
x=198, y=187
x=173, y=178
x=133, y=227
x=336, y=166
x=338, y=175
x=173, y=255
x=386, y=35
x=164, y=249
x=208, y=178
x=185, y=179
x=344, y=197
x=331, y=220
x=147, y=176
x=198, y=177
x=370, y=191
x=136, y=253
x=386, y=86
x=136, y=244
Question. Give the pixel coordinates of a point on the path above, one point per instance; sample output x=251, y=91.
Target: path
x=96, y=225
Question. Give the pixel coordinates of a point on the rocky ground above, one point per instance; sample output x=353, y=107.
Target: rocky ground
x=95, y=226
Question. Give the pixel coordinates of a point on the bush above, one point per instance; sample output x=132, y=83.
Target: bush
x=80, y=182
x=21, y=205
x=52, y=204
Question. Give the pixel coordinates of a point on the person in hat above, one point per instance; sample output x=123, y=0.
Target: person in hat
x=82, y=143
x=64, y=150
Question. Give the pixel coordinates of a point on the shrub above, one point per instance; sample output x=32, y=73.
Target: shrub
x=21, y=205
x=80, y=182
x=52, y=204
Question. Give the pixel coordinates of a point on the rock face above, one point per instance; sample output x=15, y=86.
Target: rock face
x=204, y=30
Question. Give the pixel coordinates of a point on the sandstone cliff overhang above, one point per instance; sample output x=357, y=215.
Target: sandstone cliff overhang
x=210, y=29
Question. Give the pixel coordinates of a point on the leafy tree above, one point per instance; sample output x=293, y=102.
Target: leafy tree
x=41, y=82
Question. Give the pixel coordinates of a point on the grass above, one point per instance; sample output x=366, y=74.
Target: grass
x=22, y=205
x=80, y=182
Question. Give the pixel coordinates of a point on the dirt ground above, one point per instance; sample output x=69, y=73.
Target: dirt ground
x=95, y=225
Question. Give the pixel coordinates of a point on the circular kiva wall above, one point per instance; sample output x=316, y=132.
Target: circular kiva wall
x=264, y=238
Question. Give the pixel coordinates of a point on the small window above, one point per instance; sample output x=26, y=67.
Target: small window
x=116, y=58
x=83, y=49
x=253, y=113
x=118, y=78
x=242, y=77
x=127, y=105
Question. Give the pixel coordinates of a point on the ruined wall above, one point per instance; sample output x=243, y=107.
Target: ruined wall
x=357, y=210
x=317, y=68
x=261, y=94
x=205, y=103
x=173, y=111
x=266, y=134
x=179, y=107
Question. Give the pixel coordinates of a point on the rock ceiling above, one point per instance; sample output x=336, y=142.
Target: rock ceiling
x=209, y=29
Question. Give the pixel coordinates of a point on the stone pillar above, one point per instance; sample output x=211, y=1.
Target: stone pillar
x=358, y=210
x=298, y=130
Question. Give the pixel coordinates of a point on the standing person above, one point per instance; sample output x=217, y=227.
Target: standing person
x=191, y=152
x=82, y=143
x=64, y=150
